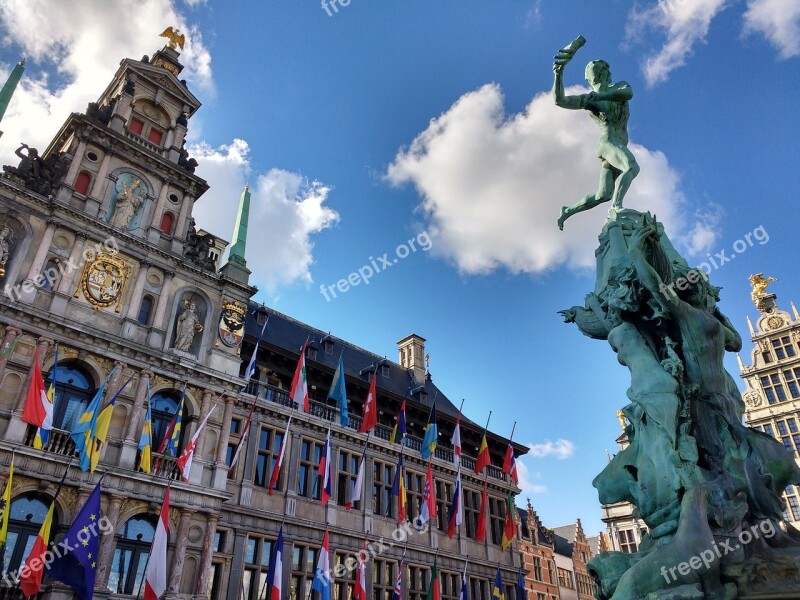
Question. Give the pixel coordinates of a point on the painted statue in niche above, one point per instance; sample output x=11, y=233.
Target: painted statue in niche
x=131, y=193
x=188, y=326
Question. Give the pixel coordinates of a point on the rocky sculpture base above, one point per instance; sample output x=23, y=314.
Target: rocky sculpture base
x=708, y=488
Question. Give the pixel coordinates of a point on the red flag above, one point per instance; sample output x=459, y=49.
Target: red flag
x=360, y=587
x=185, y=460
x=427, y=510
x=38, y=409
x=370, y=418
x=480, y=528
x=483, y=460
x=276, y=470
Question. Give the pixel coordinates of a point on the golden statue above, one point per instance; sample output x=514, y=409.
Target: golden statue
x=175, y=37
x=759, y=283
x=622, y=422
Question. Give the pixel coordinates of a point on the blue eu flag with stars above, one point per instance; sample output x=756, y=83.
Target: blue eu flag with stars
x=78, y=567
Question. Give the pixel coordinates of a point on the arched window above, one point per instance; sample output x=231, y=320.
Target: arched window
x=82, y=182
x=24, y=520
x=164, y=405
x=130, y=556
x=167, y=222
x=50, y=274
x=145, y=310
x=74, y=391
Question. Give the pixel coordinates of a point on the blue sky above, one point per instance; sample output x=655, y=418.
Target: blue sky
x=389, y=121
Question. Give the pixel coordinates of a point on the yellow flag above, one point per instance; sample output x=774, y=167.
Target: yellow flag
x=5, y=505
x=100, y=435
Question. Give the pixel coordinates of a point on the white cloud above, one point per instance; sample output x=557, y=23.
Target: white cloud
x=684, y=23
x=527, y=480
x=285, y=204
x=492, y=185
x=778, y=21
x=705, y=231
x=73, y=50
x=560, y=449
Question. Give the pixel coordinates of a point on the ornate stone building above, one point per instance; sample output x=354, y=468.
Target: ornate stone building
x=572, y=554
x=101, y=259
x=538, y=561
x=772, y=395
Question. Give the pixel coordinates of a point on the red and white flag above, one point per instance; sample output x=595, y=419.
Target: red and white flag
x=276, y=470
x=324, y=470
x=370, y=418
x=456, y=441
x=427, y=509
x=355, y=491
x=185, y=459
x=155, y=582
x=299, y=391
x=360, y=587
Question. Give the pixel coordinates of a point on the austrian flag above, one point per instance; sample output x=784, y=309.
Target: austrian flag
x=299, y=391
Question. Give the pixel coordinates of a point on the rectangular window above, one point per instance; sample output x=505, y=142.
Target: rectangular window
x=472, y=507
x=155, y=136
x=269, y=446
x=382, y=479
x=309, y=483
x=794, y=506
x=444, y=495
x=497, y=515
x=450, y=585
x=537, y=568
x=540, y=596
x=256, y=558
x=213, y=581
x=343, y=586
x=348, y=472
x=627, y=541
x=551, y=571
x=415, y=486
x=417, y=580
x=384, y=575
x=792, y=376
x=233, y=442
x=304, y=562
x=783, y=347
x=136, y=125
x=773, y=388
x=565, y=579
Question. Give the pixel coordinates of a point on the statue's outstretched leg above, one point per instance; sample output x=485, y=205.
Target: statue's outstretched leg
x=603, y=194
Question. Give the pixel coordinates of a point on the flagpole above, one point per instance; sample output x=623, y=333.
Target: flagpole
x=513, y=427
x=364, y=483
x=6, y=508
x=485, y=429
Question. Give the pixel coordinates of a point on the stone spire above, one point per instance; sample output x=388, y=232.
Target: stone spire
x=10, y=86
x=240, y=229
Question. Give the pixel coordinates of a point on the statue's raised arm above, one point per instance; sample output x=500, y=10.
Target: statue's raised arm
x=608, y=105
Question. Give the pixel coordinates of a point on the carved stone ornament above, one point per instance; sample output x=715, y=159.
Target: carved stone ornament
x=752, y=399
x=103, y=280
x=6, y=247
x=775, y=322
x=231, y=323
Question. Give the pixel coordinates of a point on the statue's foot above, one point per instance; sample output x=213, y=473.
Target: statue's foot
x=565, y=214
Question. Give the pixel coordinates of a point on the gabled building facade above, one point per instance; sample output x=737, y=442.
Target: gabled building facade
x=109, y=284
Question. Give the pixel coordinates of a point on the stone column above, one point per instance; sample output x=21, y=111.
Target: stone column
x=98, y=184
x=200, y=592
x=115, y=382
x=155, y=221
x=11, y=334
x=107, y=543
x=138, y=288
x=221, y=467
x=74, y=259
x=179, y=554
x=44, y=248
x=76, y=163
x=163, y=300
x=130, y=444
x=182, y=225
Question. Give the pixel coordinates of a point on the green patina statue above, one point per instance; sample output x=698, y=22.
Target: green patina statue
x=708, y=487
x=608, y=106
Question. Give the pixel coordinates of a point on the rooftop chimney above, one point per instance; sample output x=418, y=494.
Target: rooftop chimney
x=412, y=356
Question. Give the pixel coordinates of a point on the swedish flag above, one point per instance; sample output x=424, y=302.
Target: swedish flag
x=83, y=432
x=146, y=440
x=497, y=589
x=172, y=440
x=431, y=437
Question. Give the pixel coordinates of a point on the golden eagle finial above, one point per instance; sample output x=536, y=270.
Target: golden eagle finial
x=175, y=37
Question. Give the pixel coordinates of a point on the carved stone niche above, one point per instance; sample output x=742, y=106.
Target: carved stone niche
x=191, y=312
x=12, y=234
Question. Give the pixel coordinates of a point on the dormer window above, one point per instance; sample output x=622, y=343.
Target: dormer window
x=327, y=346
x=149, y=122
x=384, y=370
x=155, y=136
x=311, y=353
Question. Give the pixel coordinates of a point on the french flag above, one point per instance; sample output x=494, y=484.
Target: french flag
x=456, y=441
x=274, y=579
x=358, y=485
x=324, y=470
x=155, y=583
x=456, y=512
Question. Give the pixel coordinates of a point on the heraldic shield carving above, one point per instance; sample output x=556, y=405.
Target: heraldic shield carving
x=103, y=280
x=231, y=323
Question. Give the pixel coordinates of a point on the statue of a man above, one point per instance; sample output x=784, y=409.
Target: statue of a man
x=188, y=326
x=6, y=239
x=608, y=107
x=128, y=202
